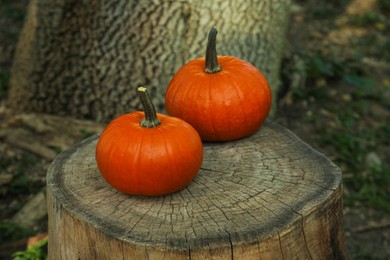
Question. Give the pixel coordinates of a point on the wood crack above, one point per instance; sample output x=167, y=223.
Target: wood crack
x=302, y=225
x=304, y=236
x=280, y=244
x=214, y=170
x=231, y=245
x=325, y=188
x=189, y=246
x=139, y=220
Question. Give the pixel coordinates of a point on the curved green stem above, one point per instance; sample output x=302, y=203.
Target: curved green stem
x=150, y=119
x=212, y=65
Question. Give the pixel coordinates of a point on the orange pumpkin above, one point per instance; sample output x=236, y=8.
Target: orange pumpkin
x=145, y=153
x=224, y=98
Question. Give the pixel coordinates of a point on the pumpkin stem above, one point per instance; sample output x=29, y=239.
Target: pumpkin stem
x=212, y=65
x=150, y=119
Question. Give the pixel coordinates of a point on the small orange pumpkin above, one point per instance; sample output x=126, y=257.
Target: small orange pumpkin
x=145, y=153
x=224, y=98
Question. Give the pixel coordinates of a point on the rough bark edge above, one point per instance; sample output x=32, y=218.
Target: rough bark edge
x=90, y=239
x=24, y=60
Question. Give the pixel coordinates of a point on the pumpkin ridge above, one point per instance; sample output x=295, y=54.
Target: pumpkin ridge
x=123, y=153
x=210, y=105
x=110, y=129
x=179, y=147
x=168, y=154
x=139, y=155
x=197, y=103
x=265, y=95
x=112, y=152
x=264, y=101
x=136, y=156
x=188, y=128
x=236, y=88
x=184, y=97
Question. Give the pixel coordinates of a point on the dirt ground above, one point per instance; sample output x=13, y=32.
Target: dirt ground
x=335, y=96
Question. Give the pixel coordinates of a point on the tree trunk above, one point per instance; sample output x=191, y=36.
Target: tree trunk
x=87, y=58
x=268, y=196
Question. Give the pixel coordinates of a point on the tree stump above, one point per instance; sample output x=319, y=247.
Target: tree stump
x=268, y=196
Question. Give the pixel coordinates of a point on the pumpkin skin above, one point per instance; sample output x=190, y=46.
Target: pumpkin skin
x=227, y=105
x=149, y=161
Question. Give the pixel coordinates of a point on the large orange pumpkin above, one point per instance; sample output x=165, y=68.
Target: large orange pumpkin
x=222, y=97
x=145, y=153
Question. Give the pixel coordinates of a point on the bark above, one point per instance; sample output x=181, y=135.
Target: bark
x=268, y=196
x=87, y=58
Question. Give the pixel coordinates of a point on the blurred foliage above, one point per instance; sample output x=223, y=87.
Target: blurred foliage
x=319, y=66
x=21, y=183
x=350, y=139
x=366, y=19
x=11, y=10
x=362, y=86
x=364, y=256
x=369, y=184
x=4, y=83
x=57, y=150
x=37, y=252
x=86, y=133
x=10, y=231
x=384, y=6
x=323, y=70
x=325, y=10
x=14, y=14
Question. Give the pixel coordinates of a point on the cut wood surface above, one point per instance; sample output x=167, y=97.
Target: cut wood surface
x=268, y=196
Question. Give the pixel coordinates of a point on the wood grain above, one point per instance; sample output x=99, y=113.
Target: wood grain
x=268, y=196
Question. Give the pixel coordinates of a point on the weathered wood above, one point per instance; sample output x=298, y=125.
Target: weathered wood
x=78, y=57
x=38, y=133
x=268, y=196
